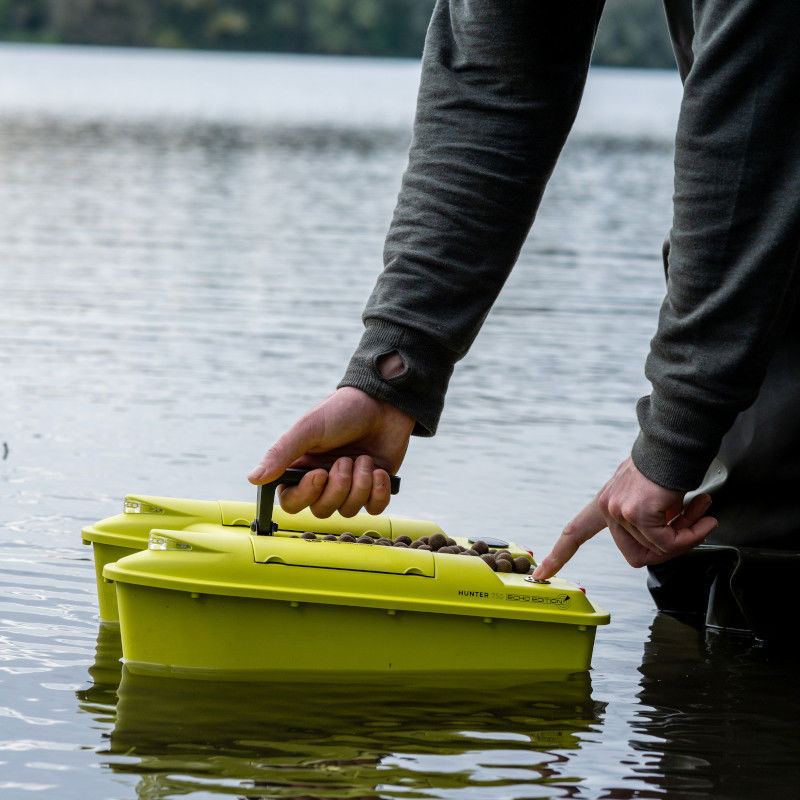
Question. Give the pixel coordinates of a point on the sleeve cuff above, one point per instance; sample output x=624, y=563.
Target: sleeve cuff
x=675, y=446
x=419, y=390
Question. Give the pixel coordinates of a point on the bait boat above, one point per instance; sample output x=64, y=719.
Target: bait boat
x=202, y=589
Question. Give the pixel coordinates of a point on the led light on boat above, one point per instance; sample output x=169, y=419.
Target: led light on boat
x=131, y=506
x=159, y=542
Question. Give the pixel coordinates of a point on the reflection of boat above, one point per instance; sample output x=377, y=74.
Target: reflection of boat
x=341, y=739
x=335, y=738
x=200, y=594
x=155, y=714
x=100, y=697
x=107, y=666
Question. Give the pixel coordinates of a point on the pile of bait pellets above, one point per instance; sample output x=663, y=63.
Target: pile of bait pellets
x=498, y=560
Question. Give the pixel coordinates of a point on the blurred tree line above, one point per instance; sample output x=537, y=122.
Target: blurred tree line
x=632, y=33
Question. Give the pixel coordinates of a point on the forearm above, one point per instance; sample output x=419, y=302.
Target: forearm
x=732, y=275
x=501, y=84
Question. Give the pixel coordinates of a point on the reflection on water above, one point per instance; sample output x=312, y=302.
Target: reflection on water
x=714, y=706
x=340, y=740
x=708, y=705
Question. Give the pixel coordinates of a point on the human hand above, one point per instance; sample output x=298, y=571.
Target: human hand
x=649, y=523
x=360, y=439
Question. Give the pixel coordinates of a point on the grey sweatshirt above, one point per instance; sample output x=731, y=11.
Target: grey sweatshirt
x=501, y=84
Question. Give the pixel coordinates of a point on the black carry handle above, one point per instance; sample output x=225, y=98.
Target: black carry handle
x=263, y=524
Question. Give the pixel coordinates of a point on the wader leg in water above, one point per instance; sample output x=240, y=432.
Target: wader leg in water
x=744, y=577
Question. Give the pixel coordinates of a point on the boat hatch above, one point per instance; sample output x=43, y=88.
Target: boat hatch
x=276, y=551
x=236, y=514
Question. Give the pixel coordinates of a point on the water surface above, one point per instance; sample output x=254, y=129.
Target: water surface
x=187, y=242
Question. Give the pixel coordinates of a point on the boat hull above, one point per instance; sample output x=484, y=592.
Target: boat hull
x=199, y=636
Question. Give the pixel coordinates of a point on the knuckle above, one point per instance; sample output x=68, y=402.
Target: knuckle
x=339, y=489
x=362, y=482
x=338, y=485
x=274, y=453
x=637, y=562
x=364, y=464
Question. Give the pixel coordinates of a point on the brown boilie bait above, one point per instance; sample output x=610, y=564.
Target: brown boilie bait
x=329, y=537
x=522, y=565
x=480, y=547
x=470, y=553
x=424, y=547
x=398, y=543
x=504, y=565
x=308, y=535
x=347, y=537
x=488, y=558
x=384, y=541
x=403, y=538
x=365, y=540
x=451, y=542
x=437, y=540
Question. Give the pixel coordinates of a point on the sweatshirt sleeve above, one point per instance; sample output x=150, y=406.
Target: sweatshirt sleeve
x=501, y=83
x=733, y=255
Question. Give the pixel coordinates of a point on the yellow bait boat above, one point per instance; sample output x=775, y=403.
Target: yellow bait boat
x=203, y=590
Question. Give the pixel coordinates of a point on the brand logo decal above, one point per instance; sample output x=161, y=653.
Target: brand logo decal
x=558, y=600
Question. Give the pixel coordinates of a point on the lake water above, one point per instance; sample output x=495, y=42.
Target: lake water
x=187, y=242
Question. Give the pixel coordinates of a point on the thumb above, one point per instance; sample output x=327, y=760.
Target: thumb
x=588, y=522
x=297, y=441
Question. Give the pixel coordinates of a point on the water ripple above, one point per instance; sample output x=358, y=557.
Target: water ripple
x=188, y=241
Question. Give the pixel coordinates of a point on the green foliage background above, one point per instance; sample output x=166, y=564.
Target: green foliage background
x=632, y=33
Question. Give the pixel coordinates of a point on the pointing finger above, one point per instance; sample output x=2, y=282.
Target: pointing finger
x=588, y=522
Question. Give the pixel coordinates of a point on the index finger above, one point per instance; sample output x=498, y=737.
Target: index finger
x=300, y=438
x=589, y=522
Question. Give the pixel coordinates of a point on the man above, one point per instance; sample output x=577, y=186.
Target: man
x=501, y=84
